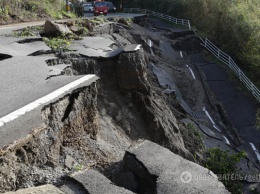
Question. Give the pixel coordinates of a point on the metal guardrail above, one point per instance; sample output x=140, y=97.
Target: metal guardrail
x=159, y=15
x=232, y=65
x=210, y=46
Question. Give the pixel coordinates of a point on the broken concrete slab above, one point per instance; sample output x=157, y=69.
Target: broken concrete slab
x=169, y=173
x=44, y=189
x=186, y=107
x=100, y=47
x=165, y=80
x=96, y=183
x=92, y=46
x=25, y=49
x=132, y=47
x=94, y=42
x=12, y=39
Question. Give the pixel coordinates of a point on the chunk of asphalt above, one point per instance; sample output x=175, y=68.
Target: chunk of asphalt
x=132, y=47
x=16, y=49
x=165, y=80
x=44, y=189
x=96, y=183
x=186, y=107
x=174, y=173
x=11, y=39
x=95, y=51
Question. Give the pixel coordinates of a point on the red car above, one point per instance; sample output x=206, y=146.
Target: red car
x=100, y=8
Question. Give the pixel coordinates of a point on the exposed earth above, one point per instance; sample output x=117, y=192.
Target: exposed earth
x=148, y=91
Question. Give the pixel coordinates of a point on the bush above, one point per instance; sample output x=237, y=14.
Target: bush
x=223, y=164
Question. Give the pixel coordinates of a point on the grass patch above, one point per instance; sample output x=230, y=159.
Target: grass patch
x=56, y=43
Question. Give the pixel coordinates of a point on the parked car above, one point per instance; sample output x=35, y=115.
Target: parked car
x=111, y=7
x=100, y=8
x=88, y=8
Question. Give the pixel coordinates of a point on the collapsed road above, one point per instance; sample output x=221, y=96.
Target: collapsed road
x=109, y=103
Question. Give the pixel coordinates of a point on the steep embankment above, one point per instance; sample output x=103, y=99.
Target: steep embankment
x=13, y=11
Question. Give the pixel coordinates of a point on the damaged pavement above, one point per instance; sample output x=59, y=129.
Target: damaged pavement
x=107, y=115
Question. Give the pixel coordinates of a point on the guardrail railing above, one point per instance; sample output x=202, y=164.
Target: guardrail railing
x=159, y=15
x=210, y=46
x=232, y=65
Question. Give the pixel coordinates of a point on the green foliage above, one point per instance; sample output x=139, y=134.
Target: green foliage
x=79, y=167
x=57, y=42
x=257, y=124
x=98, y=20
x=29, y=31
x=68, y=14
x=223, y=164
x=25, y=9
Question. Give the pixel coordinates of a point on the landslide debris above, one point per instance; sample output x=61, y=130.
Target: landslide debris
x=93, y=126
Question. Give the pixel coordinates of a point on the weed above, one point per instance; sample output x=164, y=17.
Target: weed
x=79, y=167
x=58, y=42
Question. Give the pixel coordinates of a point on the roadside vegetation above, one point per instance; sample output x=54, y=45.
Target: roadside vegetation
x=224, y=165
x=234, y=26
x=31, y=10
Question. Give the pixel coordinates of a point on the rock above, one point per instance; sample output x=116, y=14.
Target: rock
x=76, y=30
x=70, y=23
x=123, y=21
x=96, y=183
x=53, y=29
x=105, y=28
x=161, y=171
x=87, y=24
x=70, y=162
x=131, y=72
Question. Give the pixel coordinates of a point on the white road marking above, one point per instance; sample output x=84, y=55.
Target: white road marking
x=43, y=100
x=213, y=123
x=181, y=54
x=193, y=75
x=226, y=140
x=137, y=47
x=256, y=151
x=149, y=43
x=216, y=128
